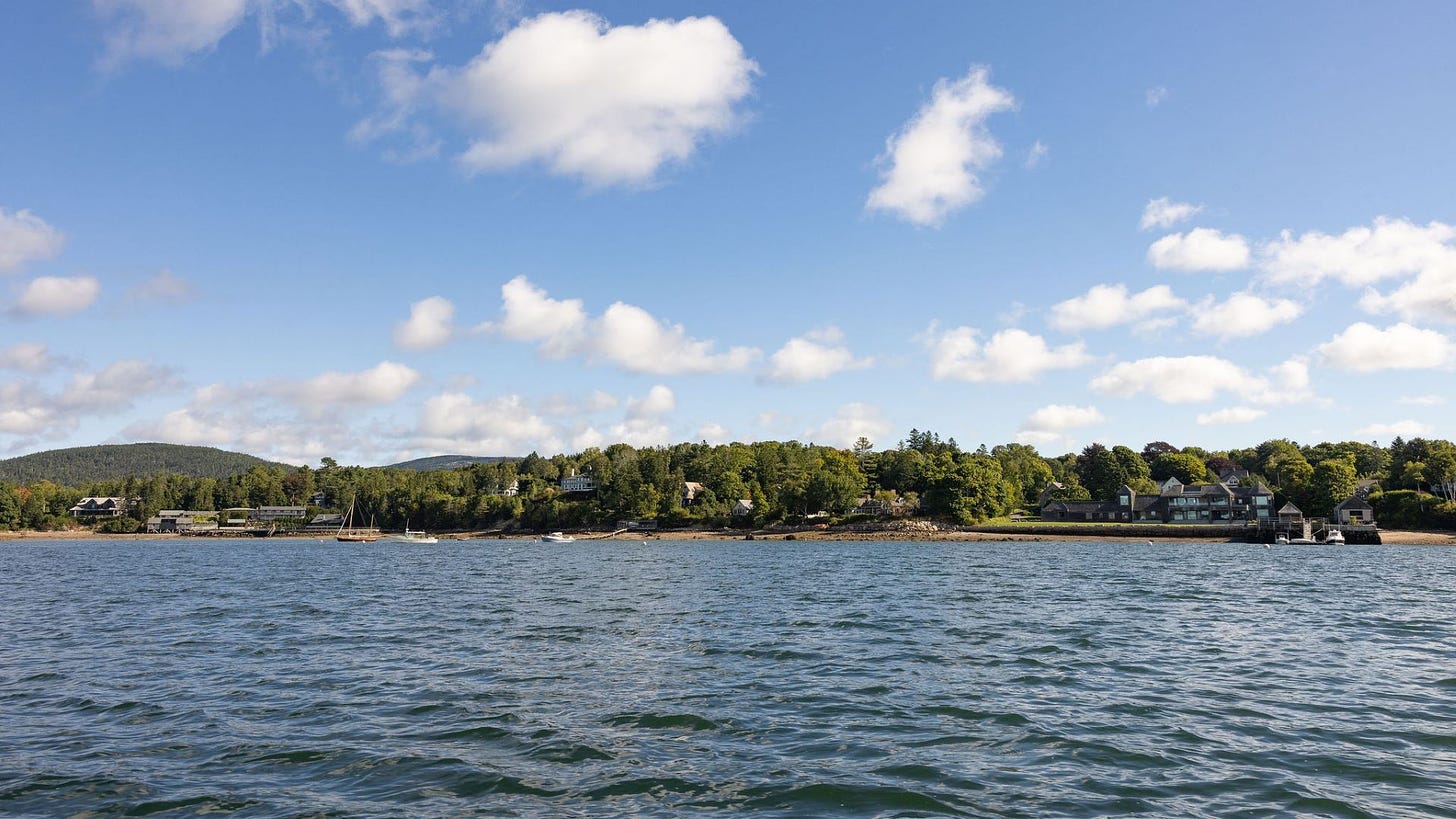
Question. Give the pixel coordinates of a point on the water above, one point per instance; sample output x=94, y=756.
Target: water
x=268, y=677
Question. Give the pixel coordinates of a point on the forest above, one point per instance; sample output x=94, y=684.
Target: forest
x=786, y=481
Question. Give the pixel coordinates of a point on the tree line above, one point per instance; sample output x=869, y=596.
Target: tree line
x=784, y=481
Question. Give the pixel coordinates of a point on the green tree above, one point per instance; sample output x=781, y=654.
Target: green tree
x=1185, y=467
x=1331, y=483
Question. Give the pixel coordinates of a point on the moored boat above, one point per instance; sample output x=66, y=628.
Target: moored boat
x=557, y=537
x=1335, y=537
x=349, y=534
x=415, y=536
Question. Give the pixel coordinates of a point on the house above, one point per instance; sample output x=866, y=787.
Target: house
x=325, y=522
x=181, y=521
x=742, y=509
x=691, y=491
x=1289, y=515
x=1365, y=486
x=1233, y=476
x=873, y=506
x=1355, y=511
x=1049, y=492
x=270, y=513
x=1175, y=502
x=510, y=490
x=578, y=483
x=100, y=508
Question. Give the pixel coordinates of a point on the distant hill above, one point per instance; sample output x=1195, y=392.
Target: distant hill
x=78, y=465
x=438, y=462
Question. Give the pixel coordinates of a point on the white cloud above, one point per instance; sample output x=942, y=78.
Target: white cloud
x=610, y=105
x=850, y=423
x=658, y=402
x=381, y=384
x=1059, y=417
x=528, y=314
x=168, y=31
x=25, y=238
x=29, y=356
x=714, y=433
x=1288, y=383
x=500, y=426
x=404, y=91
x=630, y=337
x=625, y=335
x=1430, y=295
x=812, y=357
x=1154, y=96
x=1422, y=400
x=58, y=296
x=1179, y=380
x=1398, y=429
x=640, y=432
x=1199, y=249
x=28, y=409
x=1010, y=355
x=931, y=165
x=1389, y=248
x=1231, y=415
x=1365, y=348
x=1037, y=154
x=399, y=17
x=1243, y=315
x=1108, y=305
x=1165, y=213
x=430, y=324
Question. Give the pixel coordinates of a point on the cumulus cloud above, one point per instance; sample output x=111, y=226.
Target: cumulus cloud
x=529, y=314
x=25, y=238
x=31, y=410
x=506, y=425
x=1201, y=378
x=1231, y=415
x=658, y=402
x=1165, y=213
x=633, y=339
x=1390, y=248
x=714, y=433
x=1108, y=305
x=850, y=423
x=430, y=324
x=609, y=105
x=1243, y=315
x=1365, y=348
x=813, y=356
x=931, y=166
x=1048, y=425
x=381, y=384
x=1199, y=249
x=241, y=427
x=1010, y=355
x=1397, y=429
x=57, y=295
x=28, y=356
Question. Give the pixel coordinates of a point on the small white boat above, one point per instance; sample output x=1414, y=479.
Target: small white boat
x=415, y=536
x=557, y=537
x=1335, y=537
x=1281, y=539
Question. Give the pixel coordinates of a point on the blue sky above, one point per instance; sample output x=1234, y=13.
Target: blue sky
x=380, y=229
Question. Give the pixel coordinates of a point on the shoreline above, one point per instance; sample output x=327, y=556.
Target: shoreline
x=1389, y=537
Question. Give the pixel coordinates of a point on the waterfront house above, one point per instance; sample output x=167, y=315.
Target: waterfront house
x=1355, y=511
x=1174, y=502
x=100, y=508
x=510, y=490
x=272, y=513
x=1290, y=515
x=873, y=506
x=742, y=509
x=181, y=521
x=325, y=522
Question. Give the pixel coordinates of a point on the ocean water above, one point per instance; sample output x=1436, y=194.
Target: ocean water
x=500, y=678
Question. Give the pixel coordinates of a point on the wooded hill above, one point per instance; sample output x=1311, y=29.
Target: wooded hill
x=110, y=462
x=437, y=462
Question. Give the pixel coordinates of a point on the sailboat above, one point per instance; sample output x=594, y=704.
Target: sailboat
x=348, y=534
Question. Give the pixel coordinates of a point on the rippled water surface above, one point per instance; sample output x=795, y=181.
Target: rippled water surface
x=498, y=678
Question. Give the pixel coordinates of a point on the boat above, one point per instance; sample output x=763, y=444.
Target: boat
x=349, y=534
x=1335, y=537
x=414, y=536
x=1281, y=539
x=557, y=537
x=1304, y=541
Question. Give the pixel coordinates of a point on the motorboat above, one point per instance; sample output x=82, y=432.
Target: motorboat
x=1335, y=537
x=1281, y=539
x=415, y=536
x=557, y=537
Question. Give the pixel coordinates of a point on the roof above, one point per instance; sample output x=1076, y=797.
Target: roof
x=1353, y=503
x=1290, y=509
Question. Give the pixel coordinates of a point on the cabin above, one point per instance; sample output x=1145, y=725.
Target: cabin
x=1290, y=515
x=690, y=492
x=1355, y=511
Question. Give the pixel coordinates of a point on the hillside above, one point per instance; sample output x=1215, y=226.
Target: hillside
x=438, y=462
x=78, y=465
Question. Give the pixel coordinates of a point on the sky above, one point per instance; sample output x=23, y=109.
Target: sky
x=382, y=229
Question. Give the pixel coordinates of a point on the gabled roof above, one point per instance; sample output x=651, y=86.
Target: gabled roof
x=1353, y=503
x=1290, y=509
